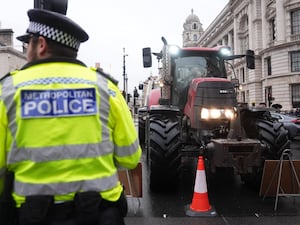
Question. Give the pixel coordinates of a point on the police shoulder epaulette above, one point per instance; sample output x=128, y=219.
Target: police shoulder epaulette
x=108, y=76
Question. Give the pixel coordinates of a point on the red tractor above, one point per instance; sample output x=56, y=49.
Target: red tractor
x=195, y=112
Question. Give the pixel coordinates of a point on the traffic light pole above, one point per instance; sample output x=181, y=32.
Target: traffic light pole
x=125, y=91
x=135, y=96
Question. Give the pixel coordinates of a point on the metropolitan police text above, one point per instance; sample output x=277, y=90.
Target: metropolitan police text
x=67, y=102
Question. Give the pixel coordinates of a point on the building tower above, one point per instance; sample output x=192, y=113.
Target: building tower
x=192, y=30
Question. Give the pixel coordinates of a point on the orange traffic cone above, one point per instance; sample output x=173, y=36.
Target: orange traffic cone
x=200, y=204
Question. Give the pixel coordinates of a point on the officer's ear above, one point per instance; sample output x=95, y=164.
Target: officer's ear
x=42, y=47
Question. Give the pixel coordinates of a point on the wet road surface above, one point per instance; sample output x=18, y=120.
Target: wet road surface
x=233, y=201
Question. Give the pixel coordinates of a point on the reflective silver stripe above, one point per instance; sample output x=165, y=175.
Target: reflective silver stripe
x=104, y=113
x=127, y=150
x=104, y=106
x=100, y=184
x=60, y=152
x=8, y=93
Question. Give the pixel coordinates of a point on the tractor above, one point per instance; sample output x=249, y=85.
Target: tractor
x=194, y=111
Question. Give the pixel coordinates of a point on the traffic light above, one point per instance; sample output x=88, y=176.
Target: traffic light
x=250, y=60
x=124, y=94
x=147, y=59
x=141, y=86
x=135, y=93
x=128, y=97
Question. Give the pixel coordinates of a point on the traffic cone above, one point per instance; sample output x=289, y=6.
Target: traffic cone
x=200, y=204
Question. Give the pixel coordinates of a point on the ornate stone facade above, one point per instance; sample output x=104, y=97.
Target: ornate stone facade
x=272, y=29
x=192, y=30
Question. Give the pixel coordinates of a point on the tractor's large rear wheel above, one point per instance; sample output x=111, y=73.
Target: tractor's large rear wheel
x=141, y=131
x=164, y=152
x=142, y=112
x=273, y=136
x=271, y=133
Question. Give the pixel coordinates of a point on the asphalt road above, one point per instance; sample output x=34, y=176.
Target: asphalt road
x=233, y=202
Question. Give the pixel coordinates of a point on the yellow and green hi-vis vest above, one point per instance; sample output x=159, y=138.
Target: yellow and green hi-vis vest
x=64, y=128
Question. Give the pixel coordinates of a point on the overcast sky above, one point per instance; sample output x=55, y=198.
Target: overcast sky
x=116, y=24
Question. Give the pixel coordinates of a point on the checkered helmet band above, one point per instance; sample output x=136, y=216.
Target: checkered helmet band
x=54, y=34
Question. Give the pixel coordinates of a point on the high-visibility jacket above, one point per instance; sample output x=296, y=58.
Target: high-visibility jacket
x=64, y=128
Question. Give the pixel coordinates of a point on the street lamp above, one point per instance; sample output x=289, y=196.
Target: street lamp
x=125, y=79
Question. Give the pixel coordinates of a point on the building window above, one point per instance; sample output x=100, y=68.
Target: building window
x=195, y=27
x=295, y=61
x=296, y=95
x=268, y=96
x=243, y=75
x=244, y=44
x=187, y=36
x=243, y=96
x=269, y=66
x=295, y=15
x=272, y=29
x=195, y=37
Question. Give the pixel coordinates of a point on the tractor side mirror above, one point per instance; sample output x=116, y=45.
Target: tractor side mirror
x=141, y=86
x=250, y=60
x=147, y=58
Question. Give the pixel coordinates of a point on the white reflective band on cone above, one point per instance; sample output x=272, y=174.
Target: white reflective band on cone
x=200, y=185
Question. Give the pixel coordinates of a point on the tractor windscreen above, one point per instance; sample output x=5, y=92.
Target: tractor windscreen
x=188, y=68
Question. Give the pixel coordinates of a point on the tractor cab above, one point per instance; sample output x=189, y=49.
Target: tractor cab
x=190, y=65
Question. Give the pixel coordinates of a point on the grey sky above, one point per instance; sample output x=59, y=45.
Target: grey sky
x=116, y=24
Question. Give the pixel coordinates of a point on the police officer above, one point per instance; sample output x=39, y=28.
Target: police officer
x=65, y=129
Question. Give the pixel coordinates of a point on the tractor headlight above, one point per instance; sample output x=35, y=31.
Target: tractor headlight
x=204, y=114
x=216, y=113
x=229, y=113
x=225, y=51
x=174, y=50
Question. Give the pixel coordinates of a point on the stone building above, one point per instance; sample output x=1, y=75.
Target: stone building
x=272, y=29
x=192, y=30
x=10, y=57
